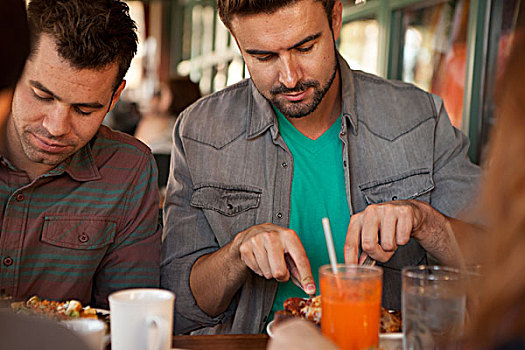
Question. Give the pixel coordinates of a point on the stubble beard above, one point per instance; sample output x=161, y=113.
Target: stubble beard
x=300, y=109
x=35, y=154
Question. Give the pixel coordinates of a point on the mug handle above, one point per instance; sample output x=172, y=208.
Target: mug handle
x=162, y=332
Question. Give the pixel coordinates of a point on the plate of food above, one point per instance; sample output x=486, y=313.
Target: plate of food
x=310, y=309
x=61, y=311
x=58, y=310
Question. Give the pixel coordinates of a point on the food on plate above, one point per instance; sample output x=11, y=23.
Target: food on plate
x=57, y=310
x=307, y=308
x=390, y=321
x=310, y=309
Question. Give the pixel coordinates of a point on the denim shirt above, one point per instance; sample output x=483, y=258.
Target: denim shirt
x=231, y=170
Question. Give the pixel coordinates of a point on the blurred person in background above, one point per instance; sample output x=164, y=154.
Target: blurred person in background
x=498, y=321
x=155, y=128
x=80, y=201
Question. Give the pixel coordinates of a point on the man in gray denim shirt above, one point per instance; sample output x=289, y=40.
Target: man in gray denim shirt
x=227, y=207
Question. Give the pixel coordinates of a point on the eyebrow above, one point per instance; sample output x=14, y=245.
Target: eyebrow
x=39, y=86
x=302, y=42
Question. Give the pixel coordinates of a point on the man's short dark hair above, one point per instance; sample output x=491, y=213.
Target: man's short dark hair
x=14, y=42
x=229, y=8
x=89, y=34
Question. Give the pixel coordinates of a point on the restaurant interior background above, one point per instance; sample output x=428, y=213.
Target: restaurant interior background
x=454, y=48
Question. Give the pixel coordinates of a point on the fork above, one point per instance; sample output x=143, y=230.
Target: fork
x=368, y=261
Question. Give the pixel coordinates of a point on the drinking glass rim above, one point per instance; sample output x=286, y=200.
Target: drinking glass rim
x=375, y=271
x=415, y=272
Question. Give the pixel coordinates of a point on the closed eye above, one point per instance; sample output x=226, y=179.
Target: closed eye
x=304, y=49
x=264, y=58
x=81, y=112
x=42, y=97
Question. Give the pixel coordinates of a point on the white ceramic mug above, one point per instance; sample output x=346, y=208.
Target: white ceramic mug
x=92, y=331
x=141, y=319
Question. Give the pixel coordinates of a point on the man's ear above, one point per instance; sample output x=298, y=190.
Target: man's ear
x=116, y=95
x=337, y=19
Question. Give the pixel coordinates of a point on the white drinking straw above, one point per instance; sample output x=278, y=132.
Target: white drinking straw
x=330, y=244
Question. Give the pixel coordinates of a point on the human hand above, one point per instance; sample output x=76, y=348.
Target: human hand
x=275, y=252
x=381, y=228
x=298, y=334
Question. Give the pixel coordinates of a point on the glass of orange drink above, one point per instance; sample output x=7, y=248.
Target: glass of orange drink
x=351, y=305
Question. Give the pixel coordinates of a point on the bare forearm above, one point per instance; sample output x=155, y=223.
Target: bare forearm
x=437, y=235
x=216, y=277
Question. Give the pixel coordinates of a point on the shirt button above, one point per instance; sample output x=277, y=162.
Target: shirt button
x=8, y=261
x=20, y=197
x=83, y=238
x=394, y=198
x=343, y=133
x=284, y=165
x=229, y=206
x=279, y=215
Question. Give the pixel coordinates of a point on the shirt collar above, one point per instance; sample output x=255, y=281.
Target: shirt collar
x=81, y=165
x=260, y=115
x=348, y=97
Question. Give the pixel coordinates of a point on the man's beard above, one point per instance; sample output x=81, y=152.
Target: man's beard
x=300, y=109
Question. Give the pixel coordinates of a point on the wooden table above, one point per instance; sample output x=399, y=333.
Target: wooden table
x=220, y=342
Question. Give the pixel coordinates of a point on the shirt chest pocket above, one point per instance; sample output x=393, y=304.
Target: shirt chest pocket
x=84, y=233
x=416, y=184
x=226, y=199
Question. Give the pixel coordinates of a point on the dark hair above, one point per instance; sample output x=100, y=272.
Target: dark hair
x=89, y=34
x=14, y=40
x=229, y=8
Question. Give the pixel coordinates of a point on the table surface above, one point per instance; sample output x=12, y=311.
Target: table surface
x=219, y=342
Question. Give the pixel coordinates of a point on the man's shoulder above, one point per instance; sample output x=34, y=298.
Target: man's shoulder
x=225, y=103
x=219, y=118
x=390, y=90
x=390, y=108
x=119, y=141
x=117, y=149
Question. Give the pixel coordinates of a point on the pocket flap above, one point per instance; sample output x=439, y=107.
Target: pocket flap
x=225, y=199
x=405, y=186
x=79, y=232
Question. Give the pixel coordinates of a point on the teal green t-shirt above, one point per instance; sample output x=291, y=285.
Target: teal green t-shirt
x=318, y=190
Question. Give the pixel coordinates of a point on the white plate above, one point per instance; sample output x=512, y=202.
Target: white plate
x=104, y=312
x=392, y=336
x=107, y=337
x=398, y=336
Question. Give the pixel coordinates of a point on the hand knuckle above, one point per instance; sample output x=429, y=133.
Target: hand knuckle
x=367, y=245
x=280, y=274
x=243, y=249
x=387, y=246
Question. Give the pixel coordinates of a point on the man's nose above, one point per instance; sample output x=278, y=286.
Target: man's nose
x=57, y=122
x=290, y=72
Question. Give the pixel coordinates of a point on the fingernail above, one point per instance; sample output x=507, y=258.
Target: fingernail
x=310, y=288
